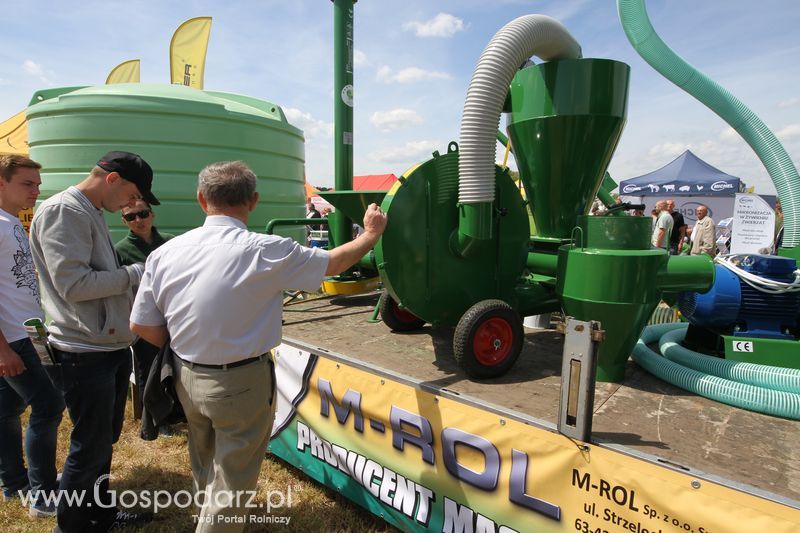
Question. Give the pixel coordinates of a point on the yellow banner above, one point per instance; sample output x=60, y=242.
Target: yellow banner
x=427, y=462
x=14, y=135
x=187, y=52
x=125, y=72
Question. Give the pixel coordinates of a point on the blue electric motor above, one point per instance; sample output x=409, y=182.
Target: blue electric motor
x=733, y=307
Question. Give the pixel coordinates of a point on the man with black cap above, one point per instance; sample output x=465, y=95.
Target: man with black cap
x=87, y=296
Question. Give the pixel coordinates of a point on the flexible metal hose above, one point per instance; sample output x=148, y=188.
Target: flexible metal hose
x=518, y=40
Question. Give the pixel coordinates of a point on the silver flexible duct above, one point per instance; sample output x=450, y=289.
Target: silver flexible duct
x=518, y=40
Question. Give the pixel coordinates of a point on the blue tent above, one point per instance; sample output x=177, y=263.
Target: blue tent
x=686, y=175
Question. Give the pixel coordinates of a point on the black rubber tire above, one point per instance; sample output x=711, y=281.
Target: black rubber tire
x=468, y=326
x=398, y=319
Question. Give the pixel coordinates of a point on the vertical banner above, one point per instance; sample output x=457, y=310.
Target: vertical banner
x=430, y=462
x=14, y=135
x=187, y=52
x=753, y=225
x=125, y=72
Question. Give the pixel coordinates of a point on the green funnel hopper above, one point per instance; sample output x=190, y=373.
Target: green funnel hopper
x=611, y=273
x=566, y=119
x=353, y=203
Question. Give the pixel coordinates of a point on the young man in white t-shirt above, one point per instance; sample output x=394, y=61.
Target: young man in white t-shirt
x=23, y=380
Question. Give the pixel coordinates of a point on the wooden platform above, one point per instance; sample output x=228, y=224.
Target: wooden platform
x=643, y=414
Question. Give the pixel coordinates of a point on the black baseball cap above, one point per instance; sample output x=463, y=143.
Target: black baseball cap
x=132, y=168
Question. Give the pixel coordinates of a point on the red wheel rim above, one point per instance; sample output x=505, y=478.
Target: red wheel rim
x=493, y=341
x=402, y=315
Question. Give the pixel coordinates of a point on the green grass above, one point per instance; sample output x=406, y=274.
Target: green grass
x=163, y=464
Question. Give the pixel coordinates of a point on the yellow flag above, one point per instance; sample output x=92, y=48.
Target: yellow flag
x=14, y=135
x=187, y=52
x=125, y=72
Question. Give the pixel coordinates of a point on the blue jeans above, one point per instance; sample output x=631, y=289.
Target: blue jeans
x=33, y=387
x=95, y=386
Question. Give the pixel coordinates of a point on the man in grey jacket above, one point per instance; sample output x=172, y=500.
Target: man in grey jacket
x=87, y=296
x=704, y=234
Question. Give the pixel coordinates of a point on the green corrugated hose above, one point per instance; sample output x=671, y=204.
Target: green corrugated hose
x=648, y=44
x=770, y=377
x=743, y=395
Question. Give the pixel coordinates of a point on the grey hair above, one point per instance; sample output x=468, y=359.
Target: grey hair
x=227, y=183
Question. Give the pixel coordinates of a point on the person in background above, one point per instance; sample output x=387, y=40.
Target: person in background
x=311, y=212
x=663, y=226
x=87, y=297
x=23, y=379
x=143, y=236
x=225, y=378
x=142, y=239
x=704, y=234
x=678, y=235
x=778, y=226
x=686, y=248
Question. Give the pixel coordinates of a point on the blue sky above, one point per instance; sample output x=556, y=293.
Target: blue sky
x=414, y=60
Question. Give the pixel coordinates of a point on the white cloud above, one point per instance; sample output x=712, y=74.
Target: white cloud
x=442, y=25
x=360, y=58
x=395, y=119
x=312, y=128
x=35, y=69
x=728, y=152
x=789, y=132
x=791, y=102
x=32, y=67
x=408, y=75
x=667, y=151
x=563, y=11
x=729, y=134
x=411, y=152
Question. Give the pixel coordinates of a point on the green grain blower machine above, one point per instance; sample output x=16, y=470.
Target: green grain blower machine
x=458, y=249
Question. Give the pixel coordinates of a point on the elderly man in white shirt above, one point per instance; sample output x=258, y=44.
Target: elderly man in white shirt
x=216, y=293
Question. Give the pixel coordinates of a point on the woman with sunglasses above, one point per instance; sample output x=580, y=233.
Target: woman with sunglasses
x=142, y=239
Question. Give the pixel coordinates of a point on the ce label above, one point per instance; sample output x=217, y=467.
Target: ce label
x=743, y=346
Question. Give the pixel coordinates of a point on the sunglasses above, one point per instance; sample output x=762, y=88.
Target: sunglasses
x=143, y=214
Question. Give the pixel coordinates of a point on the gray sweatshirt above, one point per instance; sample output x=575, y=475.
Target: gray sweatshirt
x=86, y=295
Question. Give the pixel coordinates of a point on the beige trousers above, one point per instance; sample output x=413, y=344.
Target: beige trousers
x=230, y=415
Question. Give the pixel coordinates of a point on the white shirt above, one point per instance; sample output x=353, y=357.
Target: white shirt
x=19, y=290
x=219, y=289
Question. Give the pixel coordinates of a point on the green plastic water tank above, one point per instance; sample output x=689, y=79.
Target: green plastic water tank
x=178, y=130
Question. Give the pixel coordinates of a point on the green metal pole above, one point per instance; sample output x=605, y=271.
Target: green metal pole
x=544, y=264
x=275, y=222
x=504, y=140
x=341, y=228
x=686, y=273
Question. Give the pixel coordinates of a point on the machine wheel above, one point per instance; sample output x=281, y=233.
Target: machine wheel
x=488, y=339
x=397, y=318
